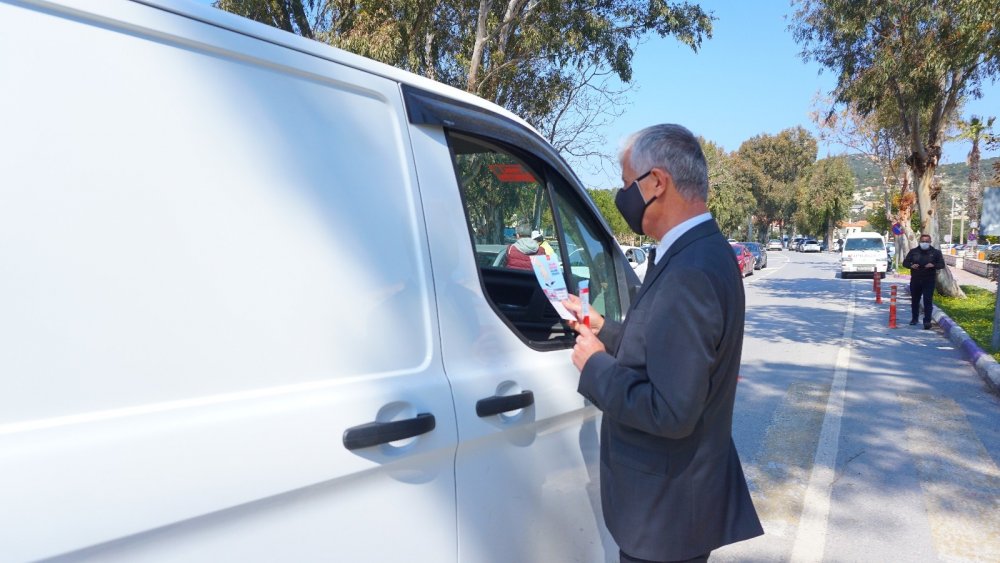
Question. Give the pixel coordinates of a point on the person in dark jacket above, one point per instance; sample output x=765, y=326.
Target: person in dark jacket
x=923, y=262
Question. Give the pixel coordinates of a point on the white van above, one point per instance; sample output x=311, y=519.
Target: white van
x=863, y=253
x=249, y=310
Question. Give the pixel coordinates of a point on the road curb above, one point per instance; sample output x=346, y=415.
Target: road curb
x=986, y=366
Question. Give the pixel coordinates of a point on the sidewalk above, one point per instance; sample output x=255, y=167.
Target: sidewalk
x=968, y=278
x=922, y=391
x=982, y=363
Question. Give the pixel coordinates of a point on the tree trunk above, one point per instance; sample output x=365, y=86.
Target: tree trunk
x=946, y=284
x=472, y=82
x=973, y=202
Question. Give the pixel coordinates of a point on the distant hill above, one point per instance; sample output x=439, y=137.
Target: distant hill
x=954, y=177
x=866, y=172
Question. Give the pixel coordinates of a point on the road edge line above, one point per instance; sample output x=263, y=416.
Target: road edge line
x=810, y=537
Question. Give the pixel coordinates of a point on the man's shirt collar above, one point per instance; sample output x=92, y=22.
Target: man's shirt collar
x=677, y=232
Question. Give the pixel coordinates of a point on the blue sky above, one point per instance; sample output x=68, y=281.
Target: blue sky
x=747, y=80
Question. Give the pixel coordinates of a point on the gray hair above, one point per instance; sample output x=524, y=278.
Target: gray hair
x=673, y=148
x=523, y=230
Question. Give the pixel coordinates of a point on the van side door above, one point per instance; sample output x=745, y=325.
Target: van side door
x=219, y=328
x=527, y=462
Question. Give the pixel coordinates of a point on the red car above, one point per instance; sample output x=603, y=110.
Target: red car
x=744, y=259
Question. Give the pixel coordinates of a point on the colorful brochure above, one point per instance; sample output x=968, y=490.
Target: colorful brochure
x=550, y=278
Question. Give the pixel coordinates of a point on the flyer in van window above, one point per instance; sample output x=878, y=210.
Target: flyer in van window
x=549, y=274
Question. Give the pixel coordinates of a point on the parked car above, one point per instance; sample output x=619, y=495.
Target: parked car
x=744, y=258
x=810, y=245
x=796, y=244
x=637, y=258
x=759, y=254
x=774, y=244
x=202, y=358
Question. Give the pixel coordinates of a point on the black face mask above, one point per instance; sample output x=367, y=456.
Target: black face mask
x=632, y=206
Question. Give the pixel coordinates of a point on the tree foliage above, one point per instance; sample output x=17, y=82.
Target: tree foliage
x=778, y=163
x=730, y=198
x=825, y=195
x=918, y=57
x=605, y=202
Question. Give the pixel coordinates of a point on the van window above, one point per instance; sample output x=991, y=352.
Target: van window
x=864, y=244
x=588, y=258
x=507, y=197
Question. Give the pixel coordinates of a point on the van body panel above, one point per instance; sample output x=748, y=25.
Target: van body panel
x=250, y=28
x=200, y=297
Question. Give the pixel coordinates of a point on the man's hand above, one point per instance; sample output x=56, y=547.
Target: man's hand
x=928, y=265
x=575, y=306
x=587, y=345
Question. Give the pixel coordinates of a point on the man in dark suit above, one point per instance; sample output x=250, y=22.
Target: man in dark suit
x=923, y=261
x=672, y=486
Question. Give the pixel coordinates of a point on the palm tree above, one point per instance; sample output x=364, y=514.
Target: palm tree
x=974, y=130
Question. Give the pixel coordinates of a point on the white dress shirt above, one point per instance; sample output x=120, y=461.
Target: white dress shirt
x=676, y=233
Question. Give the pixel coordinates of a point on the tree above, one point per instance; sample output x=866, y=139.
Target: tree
x=780, y=162
x=825, y=195
x=974, y=130
x=920, y=57
x=545, y=60
x=604, y=200
x=730, y=198
x=878, y=138
x=880, y=221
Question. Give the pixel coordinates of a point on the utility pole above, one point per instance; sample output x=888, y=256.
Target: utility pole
x=951, y=221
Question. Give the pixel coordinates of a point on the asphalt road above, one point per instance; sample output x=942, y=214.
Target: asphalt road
x=861, y=443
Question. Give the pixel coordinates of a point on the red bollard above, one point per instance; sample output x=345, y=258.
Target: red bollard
x=877, y=286
x=892, y=306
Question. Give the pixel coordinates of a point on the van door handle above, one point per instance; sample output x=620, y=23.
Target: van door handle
x=505, y=403
x=375, y=433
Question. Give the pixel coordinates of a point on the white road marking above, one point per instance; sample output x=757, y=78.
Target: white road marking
x=770, y=271
x=810, y=538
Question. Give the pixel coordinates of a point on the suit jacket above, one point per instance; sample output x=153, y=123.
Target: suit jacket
x=672, y=486
x=920, y=258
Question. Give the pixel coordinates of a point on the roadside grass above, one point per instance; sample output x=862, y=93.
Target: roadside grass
x=974, y=314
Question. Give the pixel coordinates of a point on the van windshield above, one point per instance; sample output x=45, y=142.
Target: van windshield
x=864, y=244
